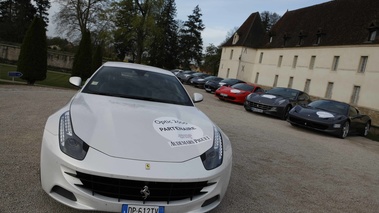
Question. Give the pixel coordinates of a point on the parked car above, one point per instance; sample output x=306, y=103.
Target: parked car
x=230, y=82
x=194, y=75
x=238, y=92
x=212, y=85
x=200, y=81
x=330, y=116
x=277, y=101
x=176, y=71
x=132, y=140
x=184, y=75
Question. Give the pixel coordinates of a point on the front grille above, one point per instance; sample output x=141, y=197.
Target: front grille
x=307, y=123
x=131, y=189
x=226, y=98
x=260, y=106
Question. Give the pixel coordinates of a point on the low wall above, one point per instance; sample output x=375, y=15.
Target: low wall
x=55, y=59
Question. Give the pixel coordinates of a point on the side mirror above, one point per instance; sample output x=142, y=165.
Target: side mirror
x=76, y=81
x=197, y=97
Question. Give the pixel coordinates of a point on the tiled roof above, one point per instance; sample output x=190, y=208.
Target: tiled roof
x=339, y=22
x=251, y=33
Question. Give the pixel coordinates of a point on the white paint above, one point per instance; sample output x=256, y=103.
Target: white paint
x=269, y=96
x=235, y=91
x=178, y=132
x=322, y=114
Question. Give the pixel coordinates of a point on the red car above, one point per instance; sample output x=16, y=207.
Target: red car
x=238, y=92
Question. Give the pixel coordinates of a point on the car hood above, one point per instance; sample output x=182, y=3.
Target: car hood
x=314, y=113
x=230, y=90
x=141, y=130
x=268, y=99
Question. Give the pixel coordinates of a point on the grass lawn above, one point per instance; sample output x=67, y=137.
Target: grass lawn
x=54, y=79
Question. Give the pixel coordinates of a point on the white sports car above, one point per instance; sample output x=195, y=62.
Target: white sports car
x=131, y=140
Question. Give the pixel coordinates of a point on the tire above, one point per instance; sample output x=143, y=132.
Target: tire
x=285, y=112
x=344, y=131
x=365, y=130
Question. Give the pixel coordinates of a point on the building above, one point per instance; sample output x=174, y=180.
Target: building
x=329, y=50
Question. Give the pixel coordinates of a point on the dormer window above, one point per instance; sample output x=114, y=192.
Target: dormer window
x=236, y=37
x=372, y=36
x=373, y=31
x=319, y=35
x=286, y=37
x=302, y=35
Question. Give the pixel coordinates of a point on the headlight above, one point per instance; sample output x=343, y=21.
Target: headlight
x=281, y=101
x=213, y=157
x=69, y=143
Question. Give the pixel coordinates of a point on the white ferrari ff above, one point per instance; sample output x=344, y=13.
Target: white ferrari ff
x=131, y=140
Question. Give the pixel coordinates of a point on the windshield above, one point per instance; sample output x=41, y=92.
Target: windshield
x=284, y=92
x=230, y=81
x=244, y=87
x=138, y=84
x=331, y=106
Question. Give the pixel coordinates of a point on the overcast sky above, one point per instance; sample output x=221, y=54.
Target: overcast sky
x=221, y=16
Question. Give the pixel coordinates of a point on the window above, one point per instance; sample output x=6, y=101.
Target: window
x=231, y=54
x=318, y=39
x=256, y=78
x=307, y=85
x=362, y=64
x=290, y=82
x=235, y=38
x=227, y=73
x=335, y=63
x=329, y=90
x=280, y=61
x=355, y=95
x=304, y=96
x=312, y=62
x=294, y=61
x=275, y=81
x=372, y=35
x=261, y=58
x=353, y=111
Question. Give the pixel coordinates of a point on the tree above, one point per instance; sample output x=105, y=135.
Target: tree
x=97, y=59
x=164, y=47
x=212, y=59
x=190, y=39
x=76, y=17
x=135, y=22
x=83, y=58
x=269, y=19
x=32, y=61
x=15, y=18
x=42, y=6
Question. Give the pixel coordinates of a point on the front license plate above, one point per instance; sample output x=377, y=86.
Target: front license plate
x=141, y=209
x=256, y=110
x=207, y=89
x=223, y=95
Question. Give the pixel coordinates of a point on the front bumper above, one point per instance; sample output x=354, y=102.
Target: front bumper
x=59, y=178
x=327, y=127
x=275, y=110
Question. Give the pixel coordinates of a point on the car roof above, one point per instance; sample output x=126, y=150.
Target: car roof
x=137, y=66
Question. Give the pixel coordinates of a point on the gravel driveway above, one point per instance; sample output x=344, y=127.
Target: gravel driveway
x=276, y=167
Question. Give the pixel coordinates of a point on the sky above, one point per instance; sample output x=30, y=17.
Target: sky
x=221, y=16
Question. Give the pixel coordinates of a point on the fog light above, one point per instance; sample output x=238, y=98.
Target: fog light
x=337, y=126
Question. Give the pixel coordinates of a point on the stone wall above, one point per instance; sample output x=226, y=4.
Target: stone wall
x=55, y=59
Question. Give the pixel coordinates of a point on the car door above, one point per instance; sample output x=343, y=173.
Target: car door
x=356, y=119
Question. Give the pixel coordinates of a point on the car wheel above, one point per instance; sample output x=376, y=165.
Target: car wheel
x=366, y=129
x=344, y=130
x=285, y=112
